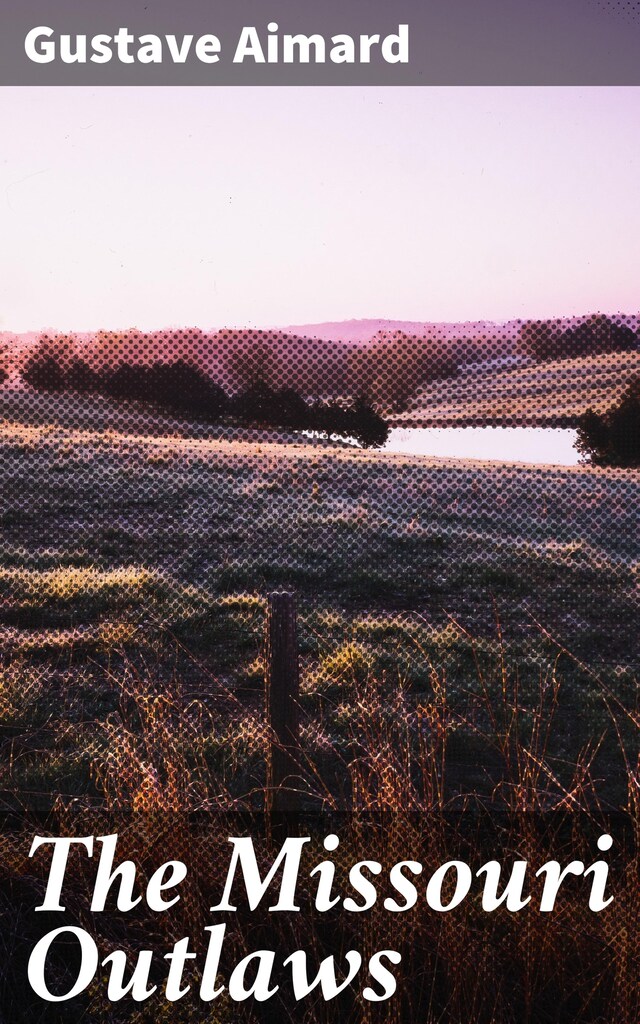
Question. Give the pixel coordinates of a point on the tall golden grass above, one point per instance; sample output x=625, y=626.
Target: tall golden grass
x=393, y=789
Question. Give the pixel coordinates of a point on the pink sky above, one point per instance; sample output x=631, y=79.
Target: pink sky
x=212, y=207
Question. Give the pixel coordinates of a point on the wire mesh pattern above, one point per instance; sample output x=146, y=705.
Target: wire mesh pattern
x=467, y=629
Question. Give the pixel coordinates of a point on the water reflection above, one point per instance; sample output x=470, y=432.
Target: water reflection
x=537, y=445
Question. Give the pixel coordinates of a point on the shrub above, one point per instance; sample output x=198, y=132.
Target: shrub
x=613, y=439
x=45, y=373
x=185, y=389
x=593, y=335
x=359, y=421
x=81, y=377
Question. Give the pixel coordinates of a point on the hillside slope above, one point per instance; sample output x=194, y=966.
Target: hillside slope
x=554, y=392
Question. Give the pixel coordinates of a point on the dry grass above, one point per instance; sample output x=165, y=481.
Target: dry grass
x=403, y=798
x=469, y=687
x=537, y=395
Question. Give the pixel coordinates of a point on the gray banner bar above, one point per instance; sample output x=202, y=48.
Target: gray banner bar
x=450, y=42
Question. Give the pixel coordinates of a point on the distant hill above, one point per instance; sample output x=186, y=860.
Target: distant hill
x=359, y=332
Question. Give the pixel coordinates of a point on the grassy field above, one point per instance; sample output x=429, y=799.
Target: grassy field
x=160, y=551
x=538, y=395
x=469, y=659
x=360, y=529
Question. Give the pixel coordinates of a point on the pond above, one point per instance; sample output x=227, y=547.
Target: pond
x=534, y=445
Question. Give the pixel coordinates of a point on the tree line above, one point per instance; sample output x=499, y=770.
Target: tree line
x=186, y=391
x=598, y=334
x=388, y=369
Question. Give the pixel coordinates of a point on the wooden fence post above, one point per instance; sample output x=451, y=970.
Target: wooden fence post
x=282, y=690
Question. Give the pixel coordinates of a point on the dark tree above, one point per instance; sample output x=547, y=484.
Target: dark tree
x=292, y=410
x=81, y=377
x=183, y=388
x=541, y=339
x=128, y=382
x=597, y=335
x=331, y=419
x=613, y=438
x=45, y=373
x=48, y=364
x=174, y=387
x=358, y=421
x=257, y=404
x=594, y=335
x=369, y=428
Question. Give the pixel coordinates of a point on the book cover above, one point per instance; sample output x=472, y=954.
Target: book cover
x=319, y=450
